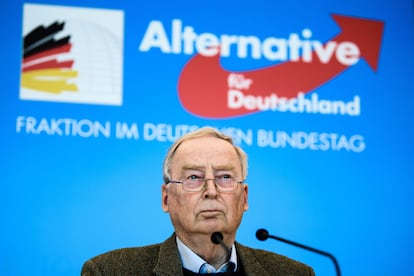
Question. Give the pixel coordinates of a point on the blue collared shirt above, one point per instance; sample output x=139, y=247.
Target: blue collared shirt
x=195, y=263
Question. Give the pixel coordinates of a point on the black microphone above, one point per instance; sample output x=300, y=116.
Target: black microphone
x=263, y=234
x=217, y=238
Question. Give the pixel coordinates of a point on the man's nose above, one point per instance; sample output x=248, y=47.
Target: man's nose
x=210, y=188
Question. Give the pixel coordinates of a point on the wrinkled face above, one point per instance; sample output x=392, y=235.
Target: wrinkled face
x=208, y=210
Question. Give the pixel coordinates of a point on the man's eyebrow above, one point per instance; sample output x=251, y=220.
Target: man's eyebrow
x=224, y=168
x=193, y=167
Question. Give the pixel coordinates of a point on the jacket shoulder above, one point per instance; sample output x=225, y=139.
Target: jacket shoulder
x=125, y=261
x=254, y=260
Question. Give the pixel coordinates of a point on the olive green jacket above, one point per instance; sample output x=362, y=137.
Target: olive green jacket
x=163, y=259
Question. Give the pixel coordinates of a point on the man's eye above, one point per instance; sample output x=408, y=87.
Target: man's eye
x=224, y=176
x=194, y=177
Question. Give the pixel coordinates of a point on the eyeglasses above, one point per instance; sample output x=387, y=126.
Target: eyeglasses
x=193, y=183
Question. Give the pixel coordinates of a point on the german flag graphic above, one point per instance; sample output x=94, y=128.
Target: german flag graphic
x=46, y=66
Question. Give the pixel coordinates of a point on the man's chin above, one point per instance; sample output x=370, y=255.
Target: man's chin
x=211, y=226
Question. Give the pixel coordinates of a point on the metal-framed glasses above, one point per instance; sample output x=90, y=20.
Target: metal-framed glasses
x=193, y=183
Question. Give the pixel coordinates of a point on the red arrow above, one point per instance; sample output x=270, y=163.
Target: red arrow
x=203, y=86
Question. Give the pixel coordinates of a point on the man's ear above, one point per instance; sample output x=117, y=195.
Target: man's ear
x=164, y=197
x=246, y=196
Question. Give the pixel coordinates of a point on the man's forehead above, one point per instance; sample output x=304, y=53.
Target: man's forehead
x=200, y=154
x=204, y=142
x=218, y=151
x=215, y=167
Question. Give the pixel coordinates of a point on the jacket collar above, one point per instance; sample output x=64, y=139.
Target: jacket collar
x=169, y=262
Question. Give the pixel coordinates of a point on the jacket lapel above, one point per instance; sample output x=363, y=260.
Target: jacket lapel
x=169, y=262
x=250, y=264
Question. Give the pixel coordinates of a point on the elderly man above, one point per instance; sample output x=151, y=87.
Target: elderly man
x=204, y=193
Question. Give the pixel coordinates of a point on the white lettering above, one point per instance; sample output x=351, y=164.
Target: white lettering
x=276, y=49
x=122, y=130
x=324, y=52
x=236, y=99
x=238, y=81
x=165, y=132
x=239, y=136
x=184, y=40
x=207, y=45
x=62, y=127
x=155, y=37
x=313, y=141
x=347, y=53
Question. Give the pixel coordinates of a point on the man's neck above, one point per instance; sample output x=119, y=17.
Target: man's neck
x=214, y=254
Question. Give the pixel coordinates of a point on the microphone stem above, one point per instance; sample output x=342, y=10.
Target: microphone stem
x=338, y=272
x=228, y=251
x=217, y=238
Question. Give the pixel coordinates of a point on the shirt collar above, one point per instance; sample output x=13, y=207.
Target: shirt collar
x=193, y=262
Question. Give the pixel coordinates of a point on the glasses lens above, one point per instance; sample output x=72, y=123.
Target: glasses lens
x=226, y=184
x=193, y=184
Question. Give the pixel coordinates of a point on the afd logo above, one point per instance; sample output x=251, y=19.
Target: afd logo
x=72, y=55
x=208, y=90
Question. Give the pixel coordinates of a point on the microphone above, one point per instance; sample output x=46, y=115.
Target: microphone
x=263, y=234
x=217, y=238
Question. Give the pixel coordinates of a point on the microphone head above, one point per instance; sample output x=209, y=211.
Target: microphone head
x=262, y=234
x=217, y=238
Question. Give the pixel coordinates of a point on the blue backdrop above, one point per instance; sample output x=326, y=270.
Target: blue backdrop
x=87, y=120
